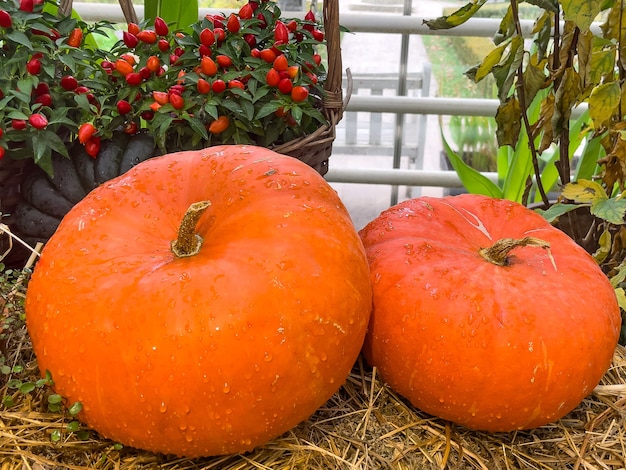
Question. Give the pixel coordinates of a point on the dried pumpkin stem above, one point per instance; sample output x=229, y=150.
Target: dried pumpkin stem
x=498, y=253
x=189, y=242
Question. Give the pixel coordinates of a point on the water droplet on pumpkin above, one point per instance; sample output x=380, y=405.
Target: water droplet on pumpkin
x=323, y=357
x=226, y=388
x=188, y=437
x=267, y=357
x=182, y=427
x=162, y=407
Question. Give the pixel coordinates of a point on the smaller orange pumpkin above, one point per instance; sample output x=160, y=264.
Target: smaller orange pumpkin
x=485, y=314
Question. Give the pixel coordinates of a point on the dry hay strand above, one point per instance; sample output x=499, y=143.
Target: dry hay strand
x=365, y=425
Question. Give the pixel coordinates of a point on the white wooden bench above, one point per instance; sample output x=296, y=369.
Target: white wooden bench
x=374, y=134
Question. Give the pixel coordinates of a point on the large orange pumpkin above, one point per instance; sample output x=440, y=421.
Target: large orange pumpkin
x=208, y=353
x=485, y=314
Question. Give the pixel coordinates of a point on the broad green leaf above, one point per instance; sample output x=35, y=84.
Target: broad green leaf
x=612, y=210
x=581, y=12
x=509, y=122
x=197, y=125
x=474, y=181
x=19, y=37
x=603, y=101
x=556, y=210
x=584, y=191
x=457, y=18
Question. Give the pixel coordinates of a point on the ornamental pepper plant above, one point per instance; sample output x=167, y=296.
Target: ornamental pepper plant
x=250, y=77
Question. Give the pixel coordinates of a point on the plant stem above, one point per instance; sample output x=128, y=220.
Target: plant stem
x=189, y=242
x=498, y=253
x=524, y=107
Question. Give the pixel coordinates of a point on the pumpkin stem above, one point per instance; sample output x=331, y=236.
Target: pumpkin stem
x=498, y=253
x=189, y=242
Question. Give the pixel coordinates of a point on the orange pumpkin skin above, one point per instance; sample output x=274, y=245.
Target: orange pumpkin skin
x=215, y=353
x=494, y=348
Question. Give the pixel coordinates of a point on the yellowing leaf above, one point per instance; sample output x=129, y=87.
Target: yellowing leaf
x=604, y=247
x=457, y=18
x=621, y=298
x=603, y=101
x=508, y=118
x=581, y=12
x=489, y=62
x=584, y=191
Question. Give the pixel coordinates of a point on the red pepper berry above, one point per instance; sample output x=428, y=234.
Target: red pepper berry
x=44, y=100
x=133, y=79
x=2, y=152
x=5, y=19
x=233, y=25
x=246, y=11
x=18, y=124
x=281, y=33
x=1, y=132
x=33, y=66
x=310, y=19
x=218, y=86
x=38, y=121
x=69, y=83
x=203, y=86
x=285, y=86
x=160, y=26
x=133, y=28
x=145, y=73
x=76, y=38
x=281, y=63
x=177, y=101
x=220, y=34
x=86, y=132
x=42, y=89
x=224, y=61
x=130, y=39
x=236, y=84
x=92, y=146
x=27, y=5
x=299, y=93
x=163, y=45
x=131, y=128
x=148, y=36
x=272, y=78
x=318, y=35
x=250, y=39
x=262, y=20
x=207, y=37
x=124, y=107
x=268, y=55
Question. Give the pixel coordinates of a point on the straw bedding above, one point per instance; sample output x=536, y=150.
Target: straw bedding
x=363, y=426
